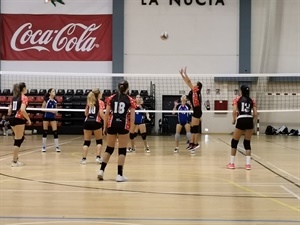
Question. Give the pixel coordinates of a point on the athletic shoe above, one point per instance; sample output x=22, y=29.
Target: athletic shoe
x=147, y=150
x=17, y=164
x=120, y=178
x=100, y=175
x=248, y=167
x=43, y=149
x=230, y=166
x=195, y=146
x=83, y=162
x=129, y=150
x=190, y=147
x=98, y=160
x=57, y=149
x=176, y=150
x=192, y=151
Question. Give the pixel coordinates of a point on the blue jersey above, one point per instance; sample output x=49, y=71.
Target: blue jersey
x=184, y=118
x=139, y=116
x=50, y=104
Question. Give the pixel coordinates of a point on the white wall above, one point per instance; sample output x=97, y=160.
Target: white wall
x=205, y=38
x=275, y=36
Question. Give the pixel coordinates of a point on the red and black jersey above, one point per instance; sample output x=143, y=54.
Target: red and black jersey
x=120, y=104
x=16, y=106
x=195, y=97
x=93, y=111
x=244, y=106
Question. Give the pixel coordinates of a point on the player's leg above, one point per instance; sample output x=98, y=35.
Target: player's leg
x=99, y=143
x=123, y=139
x=19, y=138
x=45, y=133
x=234, y=143
x=142, y=128
x=55, y=135
x=187, y=127
x=86, y=144
x=177, y=137
x=132, y=137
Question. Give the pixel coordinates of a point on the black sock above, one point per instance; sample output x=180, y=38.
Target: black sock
x=103, y=165
x=98, y=156
x=120, y=170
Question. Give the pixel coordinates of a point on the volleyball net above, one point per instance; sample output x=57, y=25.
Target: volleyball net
x=277, y=95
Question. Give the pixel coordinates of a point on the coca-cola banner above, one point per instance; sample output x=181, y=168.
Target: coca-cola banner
x=56, y=37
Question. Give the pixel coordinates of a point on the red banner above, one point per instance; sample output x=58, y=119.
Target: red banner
x=56, y=37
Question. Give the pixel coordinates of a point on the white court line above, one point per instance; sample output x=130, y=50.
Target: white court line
x=297, y=178
x=255, y=156
x=289, y=191
x=25, y=153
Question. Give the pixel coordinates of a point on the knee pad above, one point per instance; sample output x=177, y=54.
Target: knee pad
x=195, y=129
x=135, y=134
x=132, y=136
x=234, y=143
x=45, y=132
x=86, y=143
x=177, y=137
x=247, y=145
x=110, y=150
x=144, y=136
x=99, y=142
x=55, y=134
x=18, y=142
x=122, y=151
x=188, y=135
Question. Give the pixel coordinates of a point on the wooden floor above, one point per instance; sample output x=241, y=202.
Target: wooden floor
x=163, y=187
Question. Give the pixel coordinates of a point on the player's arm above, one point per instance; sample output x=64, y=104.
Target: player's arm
x=9, y=112
x=255, y=112
x=132, y=118
x=186, y=78
x=24, y=113
x=86, y=111
x=175, y=108
x=101, y=109
x=234, y=113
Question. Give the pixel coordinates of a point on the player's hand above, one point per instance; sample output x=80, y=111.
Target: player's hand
x=104, y=131
x=233, y=121
x=28, y=122
x=176, y=103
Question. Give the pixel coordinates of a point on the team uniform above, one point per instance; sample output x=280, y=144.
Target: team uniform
x=93, y=121
x=139, y=116
x=183, y=118
x=119, y=118
x=196, y=100
x=17, y=117
x=50, y=104
x=244, y=107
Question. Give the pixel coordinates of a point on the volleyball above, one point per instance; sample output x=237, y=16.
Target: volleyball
x=164, y=35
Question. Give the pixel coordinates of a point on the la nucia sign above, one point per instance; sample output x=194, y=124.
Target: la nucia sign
x=186, y=2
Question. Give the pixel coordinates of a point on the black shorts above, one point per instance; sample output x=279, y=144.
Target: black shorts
x=245, y=123
x=48, y=119
x=114, y=130
x=92, y=125
x=16, y=121
x=197, y=112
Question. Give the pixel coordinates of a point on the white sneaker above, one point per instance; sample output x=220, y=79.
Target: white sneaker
x=129, y=149
x=98, y=160
x=147, y=150
x=192, y=151
x=83, y=162
x=43, y=149
x=176, y=150
x=57, y=149
x=100, y=175
x=120, y=178
x=17, y=164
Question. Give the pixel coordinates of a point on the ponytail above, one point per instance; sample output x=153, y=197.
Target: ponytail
x=16, y=90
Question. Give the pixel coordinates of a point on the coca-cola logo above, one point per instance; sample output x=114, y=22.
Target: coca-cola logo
x=25, y=38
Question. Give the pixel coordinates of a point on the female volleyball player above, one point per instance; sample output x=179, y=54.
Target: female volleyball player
x=118, y=121
x=49, y=117
x=196, y=100
x=139, y=125
x=19, y=117
x=183, y=120
x=243, y=107
x=93, y=124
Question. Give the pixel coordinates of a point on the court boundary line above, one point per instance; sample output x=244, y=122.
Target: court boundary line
x=290, y=192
